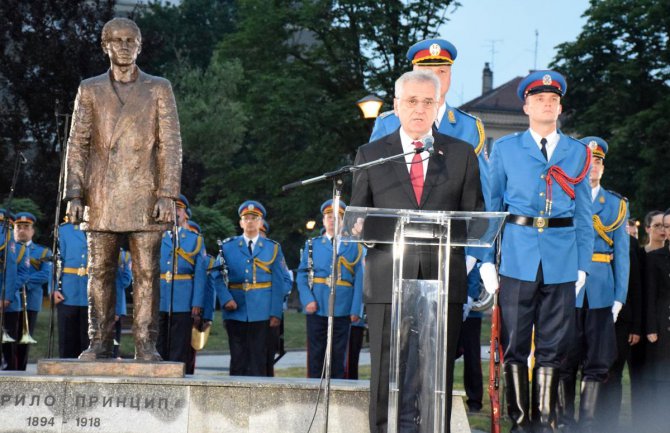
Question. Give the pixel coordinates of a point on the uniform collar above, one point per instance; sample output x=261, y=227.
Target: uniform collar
x=595, y=192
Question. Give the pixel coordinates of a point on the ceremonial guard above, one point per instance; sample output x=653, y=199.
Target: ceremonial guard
x=253, y=296
x=598, y=305
x=314, y=279
x=71, y=297
x=124, y=278
x=10, y=300
x=276, y=334
x=33, y=272
x=540, y=177
x=183, y=280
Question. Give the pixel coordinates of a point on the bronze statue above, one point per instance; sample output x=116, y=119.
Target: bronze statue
x=122, y=177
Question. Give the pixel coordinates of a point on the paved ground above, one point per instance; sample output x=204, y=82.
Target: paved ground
x=216, y=364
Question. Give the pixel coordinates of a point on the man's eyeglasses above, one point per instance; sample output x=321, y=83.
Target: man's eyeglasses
x=659, y=226
x=413, y=102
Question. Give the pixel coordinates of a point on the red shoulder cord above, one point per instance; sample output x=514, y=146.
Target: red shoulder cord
x=556, y=173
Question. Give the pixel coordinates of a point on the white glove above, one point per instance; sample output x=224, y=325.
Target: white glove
x=467, y=307
x=470, y=263
x=616, y=309
x=489, y=276
x=581, y=279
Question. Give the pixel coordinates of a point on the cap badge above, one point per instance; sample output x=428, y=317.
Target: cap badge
x=593, y=145
x=435, y=50
x=251, y=207
x=546, y=80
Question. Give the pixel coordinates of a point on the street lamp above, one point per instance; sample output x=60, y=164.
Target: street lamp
x=370, y=106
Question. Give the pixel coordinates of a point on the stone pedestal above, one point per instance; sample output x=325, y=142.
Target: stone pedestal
x=195, y=404
x=110, y=367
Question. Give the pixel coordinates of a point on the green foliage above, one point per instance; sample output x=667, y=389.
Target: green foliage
x=46, y=48
x=183, y=34
x=214, y=225
x=618, y=71
x=305, y=66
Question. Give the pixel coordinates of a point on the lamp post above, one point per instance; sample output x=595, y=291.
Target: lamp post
x=370, y=106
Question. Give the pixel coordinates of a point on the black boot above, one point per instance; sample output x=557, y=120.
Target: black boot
x=587, y=406
x=516, y=387
x=565, y=404
x=545, y=390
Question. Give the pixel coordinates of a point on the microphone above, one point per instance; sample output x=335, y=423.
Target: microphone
x=428, y=143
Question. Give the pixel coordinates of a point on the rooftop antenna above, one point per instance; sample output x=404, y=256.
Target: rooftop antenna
x=537, y=37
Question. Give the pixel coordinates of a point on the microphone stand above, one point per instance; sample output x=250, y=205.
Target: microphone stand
x=336, y=176
x=55, y=246
x=20, y=159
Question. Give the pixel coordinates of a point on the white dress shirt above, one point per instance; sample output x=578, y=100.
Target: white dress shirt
x=552, y=141
x=408, y=146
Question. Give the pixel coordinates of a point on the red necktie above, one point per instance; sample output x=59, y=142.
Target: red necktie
x=416, y=173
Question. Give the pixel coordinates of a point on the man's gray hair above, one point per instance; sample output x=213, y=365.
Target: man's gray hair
x=419, y=76
x=116, y=23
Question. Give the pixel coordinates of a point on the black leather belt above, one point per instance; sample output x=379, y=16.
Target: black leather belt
x=539, y=222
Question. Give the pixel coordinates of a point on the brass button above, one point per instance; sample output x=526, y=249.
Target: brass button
x=541, y=194
x=542, y=176
x=541, y=212
x=540, y=230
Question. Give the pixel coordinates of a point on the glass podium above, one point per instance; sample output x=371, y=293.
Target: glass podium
x=418, y=362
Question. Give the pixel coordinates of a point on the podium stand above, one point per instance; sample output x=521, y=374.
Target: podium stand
x=418, y=362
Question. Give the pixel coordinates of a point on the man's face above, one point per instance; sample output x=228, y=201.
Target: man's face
x=182, y=217
x=597, y=169
x=416, y=108
x=251, y=224
x=329, y=223
x=543, y=108
x=443, y=73
x=23, y=232
x=666, y=226
x=122, y=46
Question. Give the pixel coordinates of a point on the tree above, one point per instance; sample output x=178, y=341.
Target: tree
x=182, y=34
x=46, y=48
x=618, y=71
x=305, y=65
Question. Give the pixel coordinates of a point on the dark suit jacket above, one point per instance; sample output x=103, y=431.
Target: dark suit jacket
x=452, y=184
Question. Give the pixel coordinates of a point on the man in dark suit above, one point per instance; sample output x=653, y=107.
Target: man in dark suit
x=447, y=181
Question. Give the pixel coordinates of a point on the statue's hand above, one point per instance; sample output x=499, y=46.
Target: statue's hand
x=164, y=210
x=75, y=210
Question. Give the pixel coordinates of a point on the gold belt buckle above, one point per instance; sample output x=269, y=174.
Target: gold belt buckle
x=81, y=271
x=168, y=276
x=329, y=280
x=540, y=222
x=246, y=286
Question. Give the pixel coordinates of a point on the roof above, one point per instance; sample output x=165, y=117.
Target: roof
x=502, y=98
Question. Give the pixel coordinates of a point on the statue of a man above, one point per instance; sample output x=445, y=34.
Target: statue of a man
x=123, y=175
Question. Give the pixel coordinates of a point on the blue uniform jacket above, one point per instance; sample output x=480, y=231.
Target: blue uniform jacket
x=124, y=276
x=349, y=289
x=518, y=172
x=33, y=272
x=455, y=123
x=74, y=256
x=608, y=282
x=256, y=281
x=214, y=281
x=191, y=278
x=9, y=280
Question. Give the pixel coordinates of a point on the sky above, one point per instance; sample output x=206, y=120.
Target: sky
x=509, y=26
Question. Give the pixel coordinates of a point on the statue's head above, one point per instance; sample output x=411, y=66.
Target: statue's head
x=121, y=41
